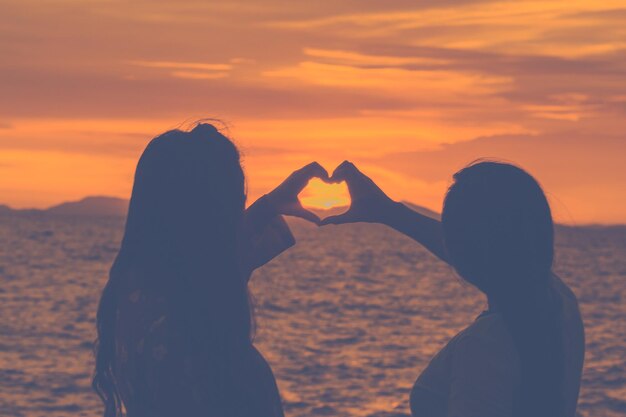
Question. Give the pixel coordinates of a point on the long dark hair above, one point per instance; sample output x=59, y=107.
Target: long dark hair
x=499, y=235
x=181, y=238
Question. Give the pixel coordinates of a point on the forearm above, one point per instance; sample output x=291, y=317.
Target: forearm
x=266, y=234
x=259, y=215
x=423, y=229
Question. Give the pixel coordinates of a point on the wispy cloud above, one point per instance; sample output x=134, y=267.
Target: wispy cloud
x=183, y=65
x=199, y=75
x=567, y=163
x=357, y=78
x=190, y=70
x=364, y=60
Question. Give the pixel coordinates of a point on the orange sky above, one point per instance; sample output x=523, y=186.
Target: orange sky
x=410, y=91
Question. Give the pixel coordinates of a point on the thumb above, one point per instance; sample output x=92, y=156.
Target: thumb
x=305, y=214
x=338, y=219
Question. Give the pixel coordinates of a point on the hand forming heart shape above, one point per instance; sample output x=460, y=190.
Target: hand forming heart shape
x=368, y=203
x=285, y=197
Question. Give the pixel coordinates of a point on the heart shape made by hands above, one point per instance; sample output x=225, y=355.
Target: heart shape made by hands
x=322, y=196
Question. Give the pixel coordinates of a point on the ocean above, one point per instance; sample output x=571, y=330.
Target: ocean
x=347, y=318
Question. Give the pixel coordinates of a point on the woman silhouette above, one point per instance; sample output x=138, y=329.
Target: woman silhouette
x=523, y=357
x=174, y=321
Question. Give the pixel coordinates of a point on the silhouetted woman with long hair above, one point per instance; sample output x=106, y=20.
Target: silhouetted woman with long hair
x=522, y=357
x=174, y=321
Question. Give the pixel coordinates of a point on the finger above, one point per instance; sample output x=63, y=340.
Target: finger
x=341, y=168
x=303, y=176
x=346, y=171
x=306, y=215
x=338, y=219
x=314, y=169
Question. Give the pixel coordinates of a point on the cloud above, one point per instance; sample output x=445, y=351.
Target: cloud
x=563, y=155
x=199, y=75
x=422, y=53
x=568, y=164
x=372, y=61
x=183, y=65
x=307, y=79
x=188, y=70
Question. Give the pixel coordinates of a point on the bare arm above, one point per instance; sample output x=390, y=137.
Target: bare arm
x=371, y=205
x=267, y=234
x=420, y=228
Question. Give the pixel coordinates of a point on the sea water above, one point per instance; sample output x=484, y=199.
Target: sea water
x=347, y=318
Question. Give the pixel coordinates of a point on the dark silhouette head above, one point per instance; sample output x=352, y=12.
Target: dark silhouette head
x=499, y=236
x=181, y=240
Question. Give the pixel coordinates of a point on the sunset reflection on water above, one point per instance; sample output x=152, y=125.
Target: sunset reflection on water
x=347, y=318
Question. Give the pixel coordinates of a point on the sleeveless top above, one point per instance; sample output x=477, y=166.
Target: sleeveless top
x=478, y=372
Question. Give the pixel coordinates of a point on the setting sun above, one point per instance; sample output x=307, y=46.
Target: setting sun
x=321, y=195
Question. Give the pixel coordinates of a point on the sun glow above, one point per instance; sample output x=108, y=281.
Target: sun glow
x=410, y=93
x=319, y=194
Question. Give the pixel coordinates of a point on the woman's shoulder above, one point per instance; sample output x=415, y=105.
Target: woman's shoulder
x=487, y=338
x=486, y=341
x=488, y=329
x=478, y=355
x=484, y=369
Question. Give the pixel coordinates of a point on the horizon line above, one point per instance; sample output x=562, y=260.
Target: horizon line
x=591, y=224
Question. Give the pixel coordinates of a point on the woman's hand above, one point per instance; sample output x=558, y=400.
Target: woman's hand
x=369, y=203
x=284, y=198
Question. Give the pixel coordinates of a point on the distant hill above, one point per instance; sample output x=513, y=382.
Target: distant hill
x=423, y=210
x=92, y=206
x=98, y=206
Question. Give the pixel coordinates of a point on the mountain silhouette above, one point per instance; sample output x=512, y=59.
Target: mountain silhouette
x=92, y=206
x=97, y=206
x=423, y=210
